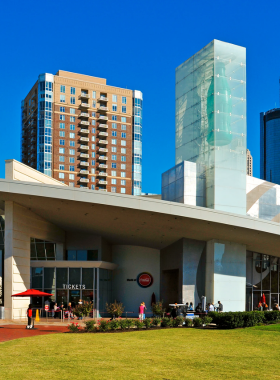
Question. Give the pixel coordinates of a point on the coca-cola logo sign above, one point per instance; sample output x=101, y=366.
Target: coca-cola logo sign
x=145, y=279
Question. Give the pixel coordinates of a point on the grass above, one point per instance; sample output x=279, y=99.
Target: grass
x=251, y=353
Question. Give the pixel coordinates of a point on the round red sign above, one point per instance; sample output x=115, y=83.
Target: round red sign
x=46, y=307
x=144, y=279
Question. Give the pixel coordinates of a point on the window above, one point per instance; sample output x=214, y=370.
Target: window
x=114, y=142
x=72, y=119
x=114, y=107
x=123, y=127
x=124, y=99
x=71, y=168
x=93, y=103
x=123, y=150
x=113, y=181
x=72, y=135
x=62, y=150
x=123, y=135
x=123, y=119
x=122, y=190
x=123, y=182
x=92, y=171
x=123, y=166
x=92, y=146
x=62, y=125
x=61, y=158
x=62, y=98
x=114, y=149
x=93, y=154
x=62, y=109
x=93, y=130
x=113, y=173
x=61, y=175
x=123, y=158
x=62, y=89
x=92, y=162
x=72, y=152
x=71, y=184
x=114, y=98
x=93, y=94
x=71, y=160
x=92, y=138
x=93, y=114
x=114, y=117
x=114, y=133
x=61, y=142
x=73, y=91
x=72, y=127
x=123, y=142
x=72, y=143
x=114, y=125
x=113, y=189
x=123, y=174
x=73, y=100
x=61, y=167
x=61, y=133
x=114, y=166
x=92, y=187
x=114, y=157
x=71, y=176
x=72, y=110
x=93, y=122
x=92, y=179
x=61, y=117
x=123, y=109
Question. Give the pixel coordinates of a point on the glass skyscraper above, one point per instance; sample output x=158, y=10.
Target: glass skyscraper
x=270, y=145
x=211, y=124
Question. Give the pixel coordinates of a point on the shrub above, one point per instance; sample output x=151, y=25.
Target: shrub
x=82, y=310
x=166, y=322
x=272, y=315
x=115, y=309
x=178, y=321
x=197, y=322
x=206, y=320
x=188, y=322
x=156, y=321
x=114, y=324
x=138, y=324
x=74, y=327
x=103, y=325
x=123, y=323
x=147, y=322
x=130, y=323
x=157, y=308
x=90, y=326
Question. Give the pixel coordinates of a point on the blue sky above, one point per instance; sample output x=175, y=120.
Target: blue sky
x=136, y=45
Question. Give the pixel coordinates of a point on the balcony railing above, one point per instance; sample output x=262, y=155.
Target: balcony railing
x=84, y=155
x=103, y=166
x=102, y=158
x=85, y=95
x=84, y=147
x=84, y=131
x=84, y=139
x=84, y=163
x=103, y=109
x=103, y=134
x=84, y=114
x=86, y=105
x=105, y=150
x=84, y=171
x=84, y=180
x=104, y=126
x=103, y=142
x=103, y=99
x=101, y=117
x=102, y=182
x=102, y=174
x=83, y=122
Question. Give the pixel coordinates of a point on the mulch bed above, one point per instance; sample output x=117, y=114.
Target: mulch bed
x=10, y=332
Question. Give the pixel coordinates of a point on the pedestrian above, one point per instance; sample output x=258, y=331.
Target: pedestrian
x=29, y=317
x=144, y=315
x=220, y=307
x=211, y=307
x=174, y=312
x=55, y=309
x=80, y=302
x=141, y=312
x=191, y=307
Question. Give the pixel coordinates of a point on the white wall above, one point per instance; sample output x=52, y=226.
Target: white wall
x=131, y=261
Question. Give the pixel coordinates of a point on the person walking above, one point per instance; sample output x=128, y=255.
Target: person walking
x=29, y=317
x=211, y=307
x=141, y=312
x=221, y=307
x=174, y=312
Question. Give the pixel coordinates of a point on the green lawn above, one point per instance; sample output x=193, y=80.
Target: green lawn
x=161, y=354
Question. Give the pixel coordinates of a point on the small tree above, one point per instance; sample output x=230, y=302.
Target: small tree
x=115, y=309
x=158, y=309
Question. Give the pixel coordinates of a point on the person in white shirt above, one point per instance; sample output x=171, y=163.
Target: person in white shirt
x=211, y=307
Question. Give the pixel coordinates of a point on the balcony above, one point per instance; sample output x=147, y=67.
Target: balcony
x=105, y=150
x=102, y=189
x=103, y=142
x=103, y=134
x=86, y=180
x=102, y=174
x=83, y=122
x=85, y=105
x=84, y=163
x=102, y=158
x=103, y=166
x=103, y=109
x=104, y=126
x=102, y=182
x=84, y=131
x=84, y=139
x=102, y=117
x=84, y=114
x=84, y=172
x=85, y=95
x=84, y=155
x=102, y=99
x=84, y=147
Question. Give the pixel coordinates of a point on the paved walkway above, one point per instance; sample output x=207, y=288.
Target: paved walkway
x=10, y=332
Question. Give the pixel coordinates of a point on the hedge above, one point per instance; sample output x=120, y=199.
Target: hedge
x=232, y=320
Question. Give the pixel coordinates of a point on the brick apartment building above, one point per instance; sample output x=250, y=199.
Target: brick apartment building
x=84, y=133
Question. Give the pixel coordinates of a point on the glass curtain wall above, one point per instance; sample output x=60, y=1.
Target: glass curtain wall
x=137, y=143
x=2, y=237
x=105, y=290
x=262, y=277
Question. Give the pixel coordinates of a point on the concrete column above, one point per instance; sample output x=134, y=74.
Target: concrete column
x=226, y=274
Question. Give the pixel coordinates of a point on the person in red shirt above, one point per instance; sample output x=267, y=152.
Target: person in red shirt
x=29, y=316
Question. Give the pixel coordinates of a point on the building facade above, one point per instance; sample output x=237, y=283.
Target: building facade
x=249, y=163
x=83, y=132
x=270, y=145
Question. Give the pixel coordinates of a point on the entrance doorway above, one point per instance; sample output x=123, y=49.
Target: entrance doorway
x=170, y=286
